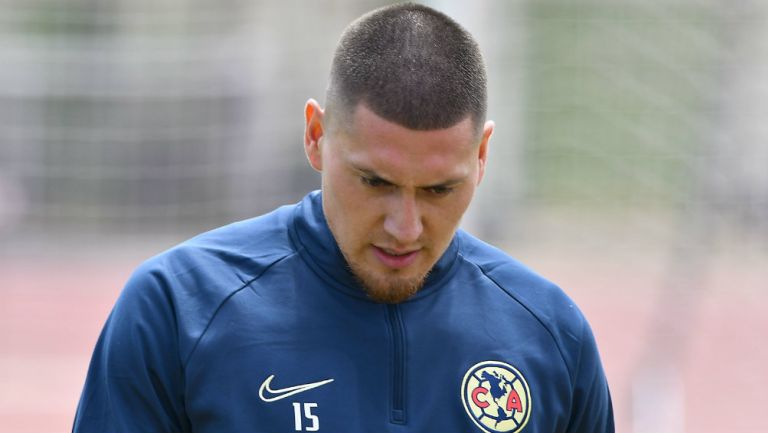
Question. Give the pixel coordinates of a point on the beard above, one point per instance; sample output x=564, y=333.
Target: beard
x=386, y=289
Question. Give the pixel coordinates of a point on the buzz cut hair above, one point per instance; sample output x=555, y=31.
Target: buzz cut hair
x=411, y=65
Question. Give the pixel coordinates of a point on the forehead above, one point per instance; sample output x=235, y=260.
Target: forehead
x=372, y=142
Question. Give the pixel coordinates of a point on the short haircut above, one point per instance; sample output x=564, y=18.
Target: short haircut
x=411, y=65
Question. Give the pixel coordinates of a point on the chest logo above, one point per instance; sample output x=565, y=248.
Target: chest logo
x=267, y=394
x=496, y=397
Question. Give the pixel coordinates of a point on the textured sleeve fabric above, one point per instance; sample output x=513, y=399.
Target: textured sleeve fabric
x=135, y=380
x=592, y=410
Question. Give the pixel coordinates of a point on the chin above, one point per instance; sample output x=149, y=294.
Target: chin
x=394, y=292
x=388, y=287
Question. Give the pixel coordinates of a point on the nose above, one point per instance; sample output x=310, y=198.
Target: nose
x=403, y=220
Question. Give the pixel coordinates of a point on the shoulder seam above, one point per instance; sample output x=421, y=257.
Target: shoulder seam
x=532, y=313
x=226, y=299
x=576, y=374
x=583, y=330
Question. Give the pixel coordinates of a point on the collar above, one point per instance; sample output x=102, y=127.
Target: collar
x=310, y=233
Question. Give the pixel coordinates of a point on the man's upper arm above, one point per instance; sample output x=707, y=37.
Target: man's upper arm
x=135, y=380
x=592, y=410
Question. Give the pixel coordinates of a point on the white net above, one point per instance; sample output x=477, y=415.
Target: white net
x=135, y=115
x=630, y=155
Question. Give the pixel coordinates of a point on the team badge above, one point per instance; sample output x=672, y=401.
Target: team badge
x=496, y=397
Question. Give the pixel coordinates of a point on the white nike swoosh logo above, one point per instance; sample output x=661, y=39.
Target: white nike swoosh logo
x=268, y=394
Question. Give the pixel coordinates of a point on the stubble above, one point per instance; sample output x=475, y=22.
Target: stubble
x=386, y=289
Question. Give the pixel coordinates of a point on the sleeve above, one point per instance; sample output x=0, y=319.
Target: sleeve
x=135, y=380
x=592, y=410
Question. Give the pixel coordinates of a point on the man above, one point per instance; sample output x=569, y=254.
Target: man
x=361, y=309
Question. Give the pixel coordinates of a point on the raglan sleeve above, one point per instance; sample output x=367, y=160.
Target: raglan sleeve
x=592, y=410
x=135, y=379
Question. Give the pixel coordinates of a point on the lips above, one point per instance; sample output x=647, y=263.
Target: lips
x=394, y=259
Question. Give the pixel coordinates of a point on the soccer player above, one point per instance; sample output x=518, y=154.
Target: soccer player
x=363, y=308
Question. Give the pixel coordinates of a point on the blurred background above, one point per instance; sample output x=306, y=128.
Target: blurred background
x=629, y=165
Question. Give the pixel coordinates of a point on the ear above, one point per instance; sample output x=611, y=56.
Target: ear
x=313, y=134
x=482, y=151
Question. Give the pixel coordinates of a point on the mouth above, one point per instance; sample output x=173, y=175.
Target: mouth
x=395, y=259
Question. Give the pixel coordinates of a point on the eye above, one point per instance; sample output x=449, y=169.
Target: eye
x=374, y=182
x=440, y=190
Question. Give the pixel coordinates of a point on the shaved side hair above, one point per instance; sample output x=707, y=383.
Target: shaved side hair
x=411, y=65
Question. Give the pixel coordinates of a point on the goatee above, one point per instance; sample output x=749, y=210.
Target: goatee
x=387, y=289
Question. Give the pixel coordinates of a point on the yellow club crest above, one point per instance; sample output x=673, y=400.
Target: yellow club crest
x=496, y=397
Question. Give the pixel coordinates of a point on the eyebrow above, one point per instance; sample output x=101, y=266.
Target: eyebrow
x=373, y=175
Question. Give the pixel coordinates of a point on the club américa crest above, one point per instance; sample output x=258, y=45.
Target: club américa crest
x=496, y=397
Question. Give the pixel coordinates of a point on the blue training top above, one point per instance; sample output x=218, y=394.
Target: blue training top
x=260, y=327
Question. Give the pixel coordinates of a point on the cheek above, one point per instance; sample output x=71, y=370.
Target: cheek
x=445, y=225
x=350, y=214
x=449, y=213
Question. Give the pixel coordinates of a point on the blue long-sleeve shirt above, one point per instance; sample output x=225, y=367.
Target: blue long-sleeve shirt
x=259, y=326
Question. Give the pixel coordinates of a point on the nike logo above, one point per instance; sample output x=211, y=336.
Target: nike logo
x=267, y=394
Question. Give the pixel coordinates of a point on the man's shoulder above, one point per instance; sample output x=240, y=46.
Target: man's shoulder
x=511, y=275
x=210, y=267
x=243, y=248
x=543, y=299
x=192, y=280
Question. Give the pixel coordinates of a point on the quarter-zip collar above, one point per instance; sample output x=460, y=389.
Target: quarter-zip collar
x=317, y=246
